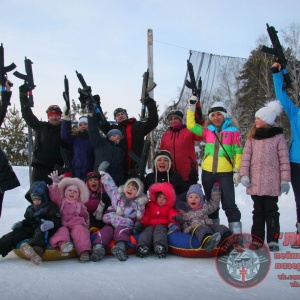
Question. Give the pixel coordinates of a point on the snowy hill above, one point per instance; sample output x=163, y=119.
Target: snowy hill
x=174, y=277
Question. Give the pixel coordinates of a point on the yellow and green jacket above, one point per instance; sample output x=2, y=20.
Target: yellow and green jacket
x=215, y=158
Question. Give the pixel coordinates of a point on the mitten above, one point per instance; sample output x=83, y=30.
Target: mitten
x=173, y=228
x=99, y=211
x=178, y=218
x=64, y=116
x=284, y=187
x=91, y=106
x=245, y=180
x=192, y=103
x=236, y=177
x=138, y=227
x=23, y=90
x=46, y=225
x=216, y=187
x=148, y=100
x=54, y=177
x=103, y=166
x=16, y=225
x=193, y=174
x=24, y=100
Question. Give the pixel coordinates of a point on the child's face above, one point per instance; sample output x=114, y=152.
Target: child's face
x=217, y=118
x=36, y=202
x=193, y=200
x=162, y=164
x=259, y=123
x=83, y=126
x=161, y=200
x=130, y=191
x=115, y=138
x=93, y=184
x=72, y=194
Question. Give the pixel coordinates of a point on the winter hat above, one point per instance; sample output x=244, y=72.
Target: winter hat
x=113, y=132
x=72, y=187
x=269, y=112
x=53, y=110
x=163, y=153
x=176, y=113
x=220, y=107
x=196, y=188
x=83, y=119
x=117, y=110
x=91, y=175
x=35, y=196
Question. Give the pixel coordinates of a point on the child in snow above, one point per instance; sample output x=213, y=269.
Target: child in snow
x=222, y=158
x=41, y=220
x=265, y=171
x=70, y=194
x=98, y=201
x=127, y=205
x=195, y=220
x=159, y=214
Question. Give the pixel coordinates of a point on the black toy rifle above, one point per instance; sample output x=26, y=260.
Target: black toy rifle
x=196, y=91
x=146, y=88
x=86, y=93
x=141, y=162
x=278, y=53
x=66, y=95
x=28, y=78
x=3, y=71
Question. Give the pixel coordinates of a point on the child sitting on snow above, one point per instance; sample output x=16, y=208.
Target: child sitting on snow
x=159, y=214
x=127, y=205
x=41, y=220
x=70, y=194
x=194, y=217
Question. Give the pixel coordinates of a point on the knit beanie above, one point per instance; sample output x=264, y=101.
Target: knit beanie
x=218, y=107
x=196, y=188
x=91, y=175
x=176, y=113
x=117, y=110
x=113, y=132
x=269, y=112
x=72, y=187
x=53, y=110
x=83, y=119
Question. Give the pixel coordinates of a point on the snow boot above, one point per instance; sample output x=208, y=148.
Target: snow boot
x=65, y=248
x=236, y=229
x=211, y=242
x=84, y=256
x=29, y=252
x=273, y=246
x=160, y=251
x=119, y=250
x=296, y=244
x=142, y=251
x=216, y=221
x=98, y=252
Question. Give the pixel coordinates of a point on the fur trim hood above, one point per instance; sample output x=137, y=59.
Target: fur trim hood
x=84, y=191
x=140, y=184
x=163, y=187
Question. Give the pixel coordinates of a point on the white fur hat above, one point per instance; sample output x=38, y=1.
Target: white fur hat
x=269, y=112
x=218, y=106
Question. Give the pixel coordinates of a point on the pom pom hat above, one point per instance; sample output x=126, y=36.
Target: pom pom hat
x=218, y=107
x=269, y=112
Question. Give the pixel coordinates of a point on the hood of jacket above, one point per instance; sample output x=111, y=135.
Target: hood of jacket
x=40, y=188
x=167, y=189
x=84, y=191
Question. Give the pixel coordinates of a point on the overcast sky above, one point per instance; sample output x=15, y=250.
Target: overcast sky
x=106, y=41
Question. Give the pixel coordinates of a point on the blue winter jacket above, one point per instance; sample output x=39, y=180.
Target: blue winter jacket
x=293, y=113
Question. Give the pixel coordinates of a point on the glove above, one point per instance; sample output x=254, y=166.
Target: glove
x=64, y=116
x=17, y=225
x=23, y=90
x=178, y=218
x=46, y=225
x=91, y=106
x=284, y=187
x=192, y=103
x=97, y=100
x=173, y=228
x=236, y=177
x=193, y=174
x=99, y=211
x=245, y=180
x=138, y=227
x=216, y=187
x=54, y=177
x=103, y=166
x=147, y=100
x=24, y=100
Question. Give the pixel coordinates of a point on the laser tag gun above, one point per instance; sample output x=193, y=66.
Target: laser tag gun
x=196, y=91
x=145, y=90
x=278, y=53
x=87, y=99
x=141, y=162
x=28, y=79
x=66, y=95
x=3, y=71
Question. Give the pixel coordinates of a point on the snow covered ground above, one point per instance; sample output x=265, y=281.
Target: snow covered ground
x=174, y=277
